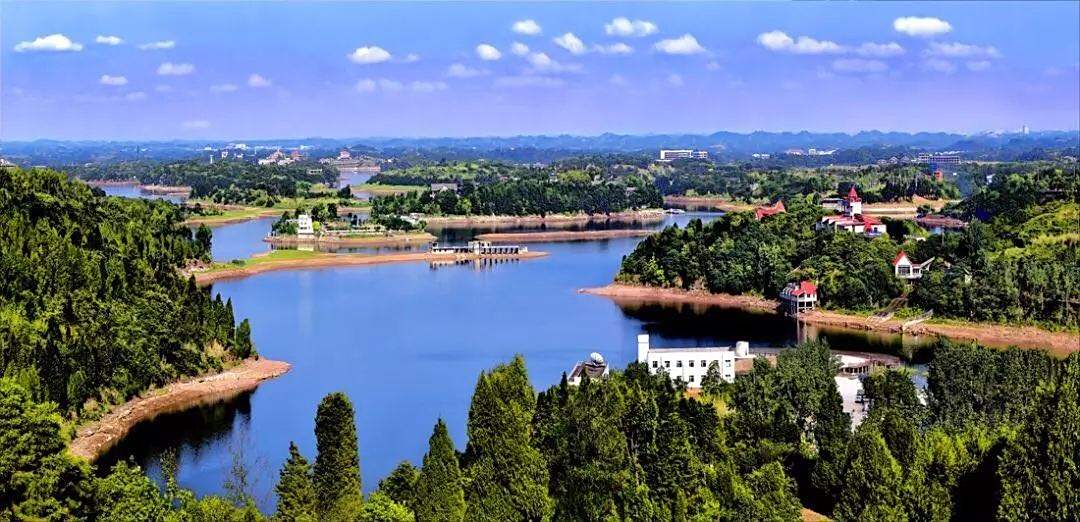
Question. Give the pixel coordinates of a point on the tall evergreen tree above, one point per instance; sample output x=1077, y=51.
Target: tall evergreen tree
x=295, y=489
x=872, y=480
x=337, y=466
x=508, y=476
x=439, y=493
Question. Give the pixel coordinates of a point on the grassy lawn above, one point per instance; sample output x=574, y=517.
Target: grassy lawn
x=386, y=190
x=229, y=215
x=270, y=257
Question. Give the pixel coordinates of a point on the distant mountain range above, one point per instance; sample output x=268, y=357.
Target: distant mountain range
x=729, y=145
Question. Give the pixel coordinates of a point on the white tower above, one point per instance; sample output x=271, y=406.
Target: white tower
x=642, y=347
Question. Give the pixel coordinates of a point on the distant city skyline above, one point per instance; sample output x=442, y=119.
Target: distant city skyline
x=234, y=71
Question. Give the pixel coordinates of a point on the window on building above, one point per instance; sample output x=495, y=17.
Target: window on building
x=655, y=364
x=703, y=365
x=678, y=364
x=691, y=378
x=691, y=364
x=667, y=364
x=727, y=363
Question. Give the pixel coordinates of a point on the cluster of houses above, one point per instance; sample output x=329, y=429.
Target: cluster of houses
x=280, y=158
x=800, y=297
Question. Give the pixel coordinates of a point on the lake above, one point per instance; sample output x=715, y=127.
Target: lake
x=406, y=342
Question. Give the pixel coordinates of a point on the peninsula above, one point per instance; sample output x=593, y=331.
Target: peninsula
x=563, y=235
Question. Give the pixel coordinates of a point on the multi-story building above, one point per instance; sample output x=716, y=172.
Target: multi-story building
x=674, y=154
x=690, y=364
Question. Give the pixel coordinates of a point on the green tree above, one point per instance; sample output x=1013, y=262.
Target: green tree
x=871, y=488
x=400, y=484
x=295, y=489
x=380, y=508
x=507, y=476
x=337, y=467
x=203, y=237
x=439, y=493
x=242, y=347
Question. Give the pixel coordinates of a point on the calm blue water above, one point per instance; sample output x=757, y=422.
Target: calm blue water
x=132, y=191
x=240, y=240
x=407, y=342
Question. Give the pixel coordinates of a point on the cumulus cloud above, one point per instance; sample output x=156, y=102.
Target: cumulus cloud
x=939, y=65
x=880, y=50
x=51, y=43
x=859, y=65
x=175, y=69
x=529, y=81
x=779, y=41
x=615, y=48
x=196, y=124
x=258, y=81
x=542, y=63
x=157, y=46
x=488, y=52
x=519, y=49
x=961, y=50
x=112, y=80
x=674, y=80
x=623, y=26
x=369, y=54
x=527, y=27
x=108, y=40
x=921, y=26
x=460, y=70
x=685, y=44
x=367, y=85
x=224, y=87
x=571, y=43
x=419, y=86
x=978, y=65
x=411, y=58
x=135, y=96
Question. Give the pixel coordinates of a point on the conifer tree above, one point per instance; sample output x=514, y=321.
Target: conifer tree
x=508, y=476
x=439, y=493
x=872, y=482
x=242, y=347
x=295, y=489
x=337, y=466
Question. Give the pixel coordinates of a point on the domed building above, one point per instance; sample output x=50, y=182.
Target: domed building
x=595, y=368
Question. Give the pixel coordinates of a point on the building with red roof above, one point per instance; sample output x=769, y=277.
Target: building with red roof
x=799, y=297
x=851, y=218
x=769, y=210
x=904, y=268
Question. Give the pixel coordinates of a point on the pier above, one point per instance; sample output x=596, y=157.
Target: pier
x=478, y=248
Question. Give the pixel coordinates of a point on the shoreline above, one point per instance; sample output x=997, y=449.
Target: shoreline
x=649, y=215
x=403, y=239
x=327, y=260
x=707, y=202
x=96, y=438
x=566, y=235
x=988, y=334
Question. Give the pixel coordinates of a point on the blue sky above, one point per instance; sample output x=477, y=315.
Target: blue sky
x=266, y=70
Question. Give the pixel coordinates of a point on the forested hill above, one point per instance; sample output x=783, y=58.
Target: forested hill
x=92, y=306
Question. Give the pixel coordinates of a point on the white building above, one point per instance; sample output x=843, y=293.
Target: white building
x=595, y=368
x=674, y=154
x=690, y=364
x=851, y=217
x=304, y=225
x=905, y=269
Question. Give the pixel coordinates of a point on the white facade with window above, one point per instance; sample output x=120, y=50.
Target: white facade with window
x=689, y=364
x=304, y=226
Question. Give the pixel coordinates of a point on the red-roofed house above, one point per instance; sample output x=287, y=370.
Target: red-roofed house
x=905, y=269
x=769, y=210
x=851, y=217
x=799, y=297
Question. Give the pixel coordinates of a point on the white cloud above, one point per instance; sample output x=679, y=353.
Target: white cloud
x=112, y=80
x=175, y=69
x=779, y=41
x=529, y=81
x=519, y=49
x=163, y=88
x=135, y=96
x=257, y=81
x=225, y=87
x=529, y=27
x=713, y=65
x=939, y=65
x=108, y=40
x=674, y=80
x=961, y=50
x=460, y=70
x=488, y=52
x=411, y=58
x=623, y=26
x=571, y=43
x=157, y=46
x=880, y=50
x=617, y=79
x=615, y=48
x=542, y=63
x=51, y=43
x=979, y=65
x=419, y=86
x=196, y=124
x=859, y=65
x=367, y=85
x=685, y=44
x=369, y=54
x=920, y=26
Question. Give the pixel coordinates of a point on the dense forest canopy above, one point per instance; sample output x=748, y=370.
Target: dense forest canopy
x=1021, y=265
x=92, y=306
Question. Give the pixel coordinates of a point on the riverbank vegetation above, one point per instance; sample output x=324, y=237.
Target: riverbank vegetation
x=1017, y=261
